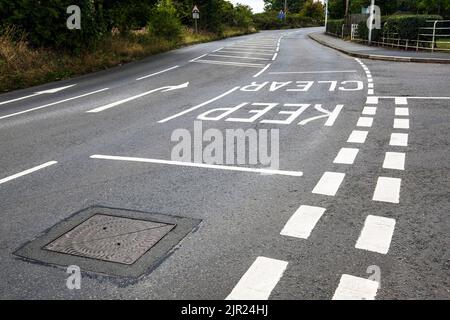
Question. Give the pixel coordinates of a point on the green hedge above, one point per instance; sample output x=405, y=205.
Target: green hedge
x=270, y=21
x=335, y=26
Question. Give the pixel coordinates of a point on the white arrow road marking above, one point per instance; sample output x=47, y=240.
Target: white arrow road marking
x=37, y=94
x=23, y=173
x=53, y=103
x=114, y=104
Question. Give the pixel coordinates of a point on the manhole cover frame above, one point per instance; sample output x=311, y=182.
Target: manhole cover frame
x=35, y=249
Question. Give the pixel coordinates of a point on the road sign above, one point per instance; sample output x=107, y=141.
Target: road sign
x=196, y=16
x=195, y=10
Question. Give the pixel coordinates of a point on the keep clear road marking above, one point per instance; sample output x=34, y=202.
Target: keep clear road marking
x=53, y=103
x=156, y=73
x=37, y=94
x=329, y=183
x=376, y=234
x=346, y=156
x=399, y=139
x=387, y=190
x=355, y=288
x=23, y=173
x=357, y=136
x=301, y=224
x=200, y=165
x=114, y=104
x=259, y=280
x=394, y=160
x=199, y=106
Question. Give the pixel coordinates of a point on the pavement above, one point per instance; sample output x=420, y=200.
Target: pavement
x=354, y=205
x=379, y=53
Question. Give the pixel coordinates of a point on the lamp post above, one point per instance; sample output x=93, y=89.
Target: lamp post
x=372, y=7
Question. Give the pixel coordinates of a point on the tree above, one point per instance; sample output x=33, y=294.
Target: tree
x=313, y=10
x=294, y=6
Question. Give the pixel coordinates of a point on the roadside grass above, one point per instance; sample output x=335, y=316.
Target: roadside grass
x=22, y=66
x=442, y=45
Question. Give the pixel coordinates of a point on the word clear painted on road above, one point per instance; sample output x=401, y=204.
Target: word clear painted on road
x=304, y=86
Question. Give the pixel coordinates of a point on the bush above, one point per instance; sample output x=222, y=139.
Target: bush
x=164, y=22
x=335, y=26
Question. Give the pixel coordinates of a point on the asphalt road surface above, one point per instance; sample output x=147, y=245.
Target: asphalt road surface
x=357, y=207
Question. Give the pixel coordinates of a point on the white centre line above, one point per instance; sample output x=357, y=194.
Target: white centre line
x=401, y=111
x=399, y=139
x=364, y=122
x=259, y=280
x=262, y=71
x=346, y=156
x=200, y=165
x=376, y=234
x=23, y=173
x=355, y=288
x=401, y=123
x=53, y=103
x=302, y=222
x=357, y=136
x=199, y=106
x=329, y=183
x=369, y=111
x=156, y=73
x=387, y=190
x=394, y=160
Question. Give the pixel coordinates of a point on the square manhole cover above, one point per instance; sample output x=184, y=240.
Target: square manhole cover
x=111, y=241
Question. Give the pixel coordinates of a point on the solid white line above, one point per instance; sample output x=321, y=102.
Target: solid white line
x=259, y=280
x=369, y=111
x=200, y=165
x=346, y=156
x=329, y=183
x=262, y=71
x=199, y=106
x=401, y=123
x=357, y=136
x=237, y=57
x=376, y=234
x=251, y=53
x=401, y=111
x=21, y=98
x=387, y=190
x=365, y=122
x=234, y=64
x=195, y=59
x=275, y=56
x=394, y=160
x=23, y=173
x=156, y=73
x=53, y=103
x=302, y=222
x=313, y=72
x=355, y=288
x=399, y=139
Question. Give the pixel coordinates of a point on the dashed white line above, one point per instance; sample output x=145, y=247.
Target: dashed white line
x=357, y=136
x=376, y=234
x=329, y=183
x=195, y=59
x=370, y=91
x=401, y=100
x=302, y=222
x=401, y=123
x=242, y=52
x=259, y=280
x=399, y=139
x=23, y=173
x=369, y=111
x=237, y=57
x=394, y=160
x=346, y=156
x=262, y=71
x=235, y=64
x=156, y=73
x=401, y=111
x=372, y=100
x=387, y=190
x=355, y=288
x=365, y=122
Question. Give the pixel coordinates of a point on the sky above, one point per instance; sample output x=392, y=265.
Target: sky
x=256, y=5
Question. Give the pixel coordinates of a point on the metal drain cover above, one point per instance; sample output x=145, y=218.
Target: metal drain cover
x=110, y=238
x=112, y=241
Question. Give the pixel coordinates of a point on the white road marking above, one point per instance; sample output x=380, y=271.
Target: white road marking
x=200, y=165
x=302, y=222
x=401, y=100
x=195, y=59
x=53, y=103
x=237, y=57
x=314, y=72
x=37, y=94
x=370, y=91
x=399, y=139
x=365, y=122
x=23, y=173
x=346, y=156
x=370, y=85
x=247, y=49
x=217, y=50
x=251, y=53
x=401, y=111
x=355, y=288
x=259, y=280
x=234, y=64
x=114, y=104
x=372, y=100
x=262, y=71
x=394, y=160
x=401, y=123
x=387, y=190
x=156, y=73
x=199, y=106
x=357, y=136
x=275, y=56
x=376, y=234
x=329, y=183
x=369, y=111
